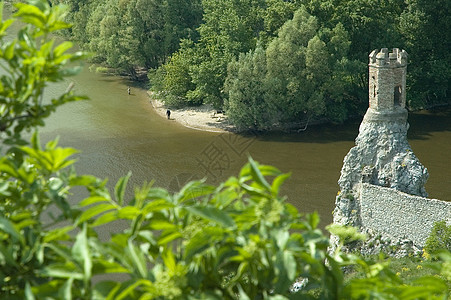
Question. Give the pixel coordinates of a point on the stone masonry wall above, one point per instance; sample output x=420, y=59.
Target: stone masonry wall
x=400, y=215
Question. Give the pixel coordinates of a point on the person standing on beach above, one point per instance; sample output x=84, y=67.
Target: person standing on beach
x=129, y=90
x=168, y=113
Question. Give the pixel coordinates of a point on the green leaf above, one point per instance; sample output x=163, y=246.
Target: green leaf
x=104, y=288
x=105, y=218
x=202, y=240
x=94, y=211
x=213, y=214
x=28, y=293
x=57, y=233
x=92, y=200
x=281, y=236
x=119, y=189
x=132, y=287
x=164, y=239
x=81, y=252
x=313, y=219
x=4, y=188
x=84, y=180
x=61, y=48
x=277, y=183
x=157, y=224
x=278, y=297
x=430, y=284
x=106, y=267
x=169, y=260
x=5, y=25
x=158, y=193
x=31, y=14
x=9, y=51
x=257, y=175
x=60, y=250
x=423, y=292
x=61, y=271
x=138, y=259
x=242, y=294
x=286, y=270
x=157, y=205
x=194, y=189
x=290, y=265
x=65, y=292
x=7, y=227
x=129, y=212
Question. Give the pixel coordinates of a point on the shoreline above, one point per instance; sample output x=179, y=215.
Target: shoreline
x=202, y=117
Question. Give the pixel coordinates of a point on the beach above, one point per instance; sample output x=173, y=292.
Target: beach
x=203, y=117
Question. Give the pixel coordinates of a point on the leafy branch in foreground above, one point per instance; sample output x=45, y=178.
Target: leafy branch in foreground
x=28, y=64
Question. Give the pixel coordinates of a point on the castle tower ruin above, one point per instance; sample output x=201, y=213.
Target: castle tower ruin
x=387, y=85
x=387, y=79
x=382, y=155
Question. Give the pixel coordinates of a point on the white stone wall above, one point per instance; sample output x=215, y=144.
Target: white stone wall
x=400, y=215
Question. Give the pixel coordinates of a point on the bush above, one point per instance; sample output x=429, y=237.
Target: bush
x=439, y=239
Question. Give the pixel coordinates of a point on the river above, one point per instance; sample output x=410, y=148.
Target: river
x=117, y=132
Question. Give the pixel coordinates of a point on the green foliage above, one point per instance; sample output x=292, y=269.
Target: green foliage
x=177, y=81
x=302, y=75
x=410, y=270
x=240, y=240
x=229, y=28
x=148, y=34
x=126, y=35
x=248, y=105
x=29, y=63
x=425, y=28
x=439, y=239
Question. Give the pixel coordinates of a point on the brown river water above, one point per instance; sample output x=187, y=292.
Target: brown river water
x=117, y=132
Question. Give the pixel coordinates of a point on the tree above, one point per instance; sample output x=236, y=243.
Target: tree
x=306, y=75
x=247, y=105
x=182, y=17
x=425, y=26
x=369, y=25
x=127, y=35
x=228, y=29
x=177, y=83
x=240, y=240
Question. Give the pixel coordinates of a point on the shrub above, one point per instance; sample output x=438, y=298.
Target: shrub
x=439, y=239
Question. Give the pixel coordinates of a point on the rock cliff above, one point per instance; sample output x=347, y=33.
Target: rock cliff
x=382, y=156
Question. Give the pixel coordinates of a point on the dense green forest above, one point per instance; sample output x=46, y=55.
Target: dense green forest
x=239, y=240
x=269, y=62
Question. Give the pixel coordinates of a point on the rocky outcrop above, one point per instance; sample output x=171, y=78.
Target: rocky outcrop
x=382, y=156
x=382, y=181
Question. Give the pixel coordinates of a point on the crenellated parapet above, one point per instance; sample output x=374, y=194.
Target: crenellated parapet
x=395, y=59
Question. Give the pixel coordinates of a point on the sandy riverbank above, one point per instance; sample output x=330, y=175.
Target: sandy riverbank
x=202, y=118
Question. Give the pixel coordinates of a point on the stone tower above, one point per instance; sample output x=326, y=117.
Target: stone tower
x=387, y=85
x=382, y=155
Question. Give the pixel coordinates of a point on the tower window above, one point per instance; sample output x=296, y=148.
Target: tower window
x=374, y=86
x=397, y=95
